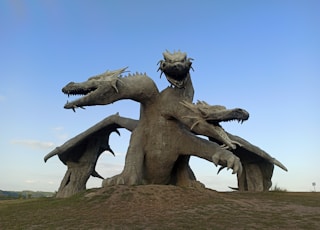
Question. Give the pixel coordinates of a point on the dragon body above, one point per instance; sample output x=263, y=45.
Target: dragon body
x=167, y=133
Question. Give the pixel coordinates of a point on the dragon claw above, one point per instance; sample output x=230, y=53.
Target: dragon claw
x=227, y=160
x=224, y=146
x=236, y=143
x=215, y=159
x=220, y=169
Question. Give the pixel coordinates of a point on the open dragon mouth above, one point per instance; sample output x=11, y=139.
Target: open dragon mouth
x=217, y=113
x=221, y=136
x=176, y=73
x=217, y=123
x=71, y=89
x=214, y=115
x=93, y=88
x=176, y=67
x=77, y=91
x=240, y=117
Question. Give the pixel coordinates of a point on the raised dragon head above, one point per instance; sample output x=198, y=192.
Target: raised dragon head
x=95, y=90
x=176, y=67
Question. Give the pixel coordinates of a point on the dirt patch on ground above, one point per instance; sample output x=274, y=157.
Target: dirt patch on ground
x=158, y=206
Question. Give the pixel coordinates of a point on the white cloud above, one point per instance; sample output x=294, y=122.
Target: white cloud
x=59, y=133
x=62, y=136
x=34, y=144
x=30, y=181
x=58, y=128
x=108, y=168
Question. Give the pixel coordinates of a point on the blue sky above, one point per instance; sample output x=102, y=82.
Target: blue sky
x=262, y=56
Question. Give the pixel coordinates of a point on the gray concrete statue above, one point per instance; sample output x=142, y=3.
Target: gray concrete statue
x=164, y=137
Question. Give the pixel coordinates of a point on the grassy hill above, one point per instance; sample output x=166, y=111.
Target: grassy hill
x=164, y=207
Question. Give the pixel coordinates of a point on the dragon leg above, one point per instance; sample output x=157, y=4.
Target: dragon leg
x=132, y=173
x=211, y=151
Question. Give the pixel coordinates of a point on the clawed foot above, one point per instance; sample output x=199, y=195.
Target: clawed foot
x=227, y=160
x=233, y=145
x=121, y=179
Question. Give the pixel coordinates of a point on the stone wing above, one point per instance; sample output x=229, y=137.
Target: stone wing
x=73, y=149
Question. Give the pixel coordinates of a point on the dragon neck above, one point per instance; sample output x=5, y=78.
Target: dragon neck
x=137, y=87
x=189, y=91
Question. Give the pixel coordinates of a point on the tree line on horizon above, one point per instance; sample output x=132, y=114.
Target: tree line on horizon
x=26, y=194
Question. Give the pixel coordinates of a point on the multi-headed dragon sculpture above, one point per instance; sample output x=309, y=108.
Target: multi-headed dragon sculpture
x=164, y=137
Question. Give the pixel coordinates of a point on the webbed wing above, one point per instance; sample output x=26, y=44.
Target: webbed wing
x=250, y=153
x=73, y=149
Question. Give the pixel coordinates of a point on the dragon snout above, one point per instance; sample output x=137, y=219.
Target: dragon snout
x=178, y=66
x=242, y=114
x=66, y=88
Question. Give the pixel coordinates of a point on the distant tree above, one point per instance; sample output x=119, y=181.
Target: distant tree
x=276, y=188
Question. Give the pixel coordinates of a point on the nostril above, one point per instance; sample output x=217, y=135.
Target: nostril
x=177, y=66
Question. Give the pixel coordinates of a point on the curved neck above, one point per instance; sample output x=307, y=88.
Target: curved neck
x=139, y=88
x=189, y=91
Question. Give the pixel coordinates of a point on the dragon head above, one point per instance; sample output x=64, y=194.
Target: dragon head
x=214, y=114
x=218, y=113
x=93, y=88
x=176, y=67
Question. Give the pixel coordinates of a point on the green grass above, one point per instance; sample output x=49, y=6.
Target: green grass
x=164, y=207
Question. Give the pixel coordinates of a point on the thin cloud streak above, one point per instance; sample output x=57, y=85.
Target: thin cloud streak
x=30, y=181
x=59, y=134
x=34, y=144
x=58, y=128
